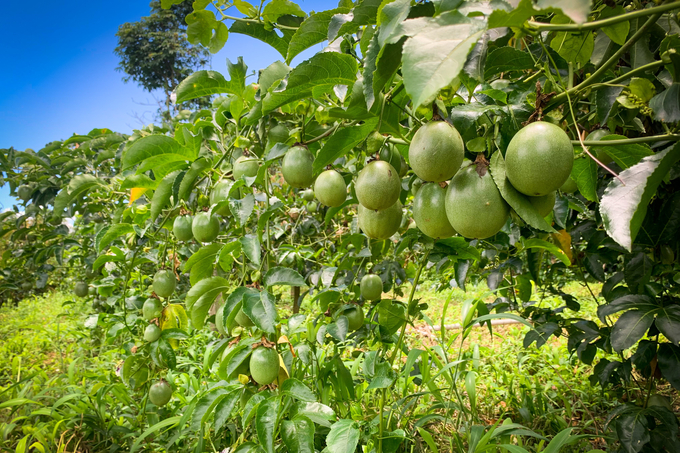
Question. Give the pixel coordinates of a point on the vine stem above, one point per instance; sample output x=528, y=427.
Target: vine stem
x=540, y=26
x=630, y=141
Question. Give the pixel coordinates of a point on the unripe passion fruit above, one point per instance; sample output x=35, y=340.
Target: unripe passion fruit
x=164, y=283
x=151, y=309
x=355, y=316
x=374, y=142
x=80, y=289
x=312, y=207
x=436, y=151
x=246, y=166
x=221, y=193
x=152, y=333
x=277, y=134
x=26, y=286
x=429, y=211
x=371, y=287
x=474, y=205
x=378, y=185
x=297, y=167
x=160, y=393
x=24, y=192
x=243, y=320
x=569, y=186
x=539, y=159
x=380, y=224
x=308, y=195
x=182, y=228
x=264, y=365
x=545, y=204
x=205, y=227
x=390, y=155
x=330, y=188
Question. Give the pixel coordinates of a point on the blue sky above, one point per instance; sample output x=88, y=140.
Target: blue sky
x=59, y=78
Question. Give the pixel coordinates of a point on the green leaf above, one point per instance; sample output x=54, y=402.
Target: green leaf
x=343, y=437
x=314, y=78
x=623, y=207
x=204, y=83
x=391, y=315
x=364, y=13
x=297, y=390
x=342, y=142
x=283, y=276
x=316, y=412
x=506, y=59
x=205, y=406
x=384, y=376
x=576, y=10
x=265, y=423
x=78, y=186
x=624, y=155
x=171, y=422
x=298, y=434
x=161, y=197
x=18, y=402
x=159, y=153
x=668, y=322
x=140, y=181
x=225, y=406
x=513, y=18
x=519, y=202
x=200, y=26
x=202, y=263
x=196, y=169
x=261, y=32
x=380, y=64
x=201, y=296
x=666, y=105
x=572, y=46
x=251, y=247
x=245, y=8
x=226, y=258
x=278, y=8
x=312, y=31
x=629, y=328
x=110, y=234
x=242, y=209
x=627, y=302
x=549, y=246
x=436, y=52
x=584, y=172
x=218, y=38
x=261, y=309
x=668, y=358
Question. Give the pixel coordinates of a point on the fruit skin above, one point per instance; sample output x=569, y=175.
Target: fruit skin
x=81, y=289
x=308, y=195
x=545, y=204
x=245, y=166
x=390, y=155
x=243, y=320
x=221, y=193
x=181, y=228
x=371, y=287
x=24, y=192
x=160, y=393
x=277, y=134
x=152, y=333
x=374, y=142
x=539, y=159
x=151, y=309
x=355, y=316
x=330, y=188
x=436, y=151
x=205, y=227
x=378, y=185
x=164, y=283
x=569, y=186
x=380, y=224
x=312, y=207
x=429, y=211
x=264, y=365
x=297, y=167
x=474, y=205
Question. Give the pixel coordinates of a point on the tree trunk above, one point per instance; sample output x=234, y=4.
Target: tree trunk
x=295, y=294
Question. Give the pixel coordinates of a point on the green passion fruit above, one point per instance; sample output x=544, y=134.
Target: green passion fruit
x=151, y=309
x=569, y=186
x=539, y=159
x=355, y=316
x=297, y=167
x=27, y=286
x=220, y=193
x=380, y=224
x=205, y=227
x=378, y=185
x=246, y=166
x=242, y=319
x=264, y=365
x=181, y=228
x=330, y=188
x=390, y=155
x=371, y=287
x=164, y=283
x=474, y=205
x=429, y=211
x=312, y=206
x=374, y=142
x=81, y=289
x=436, y=151
x=152, y=333
x=545, y=204
x=160, y=393
x=277, y=134
x=24, y=192
x=307, y=195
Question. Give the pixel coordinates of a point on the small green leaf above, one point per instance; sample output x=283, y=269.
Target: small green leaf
x=343, y=437
x=204, y=83
x=297, y=390
x=342, y=142
x=161, y=197
x=549, y=246
x=265, y=422
x=201, y=296
x=312, y=31
x=283, y=276
x=584, y=172
x=298, y=434
x=202, y=263
x=261, y=309
x=572, y=46
x=629, y=328
x=251, y=247
x=666, y=105
x=109, y=234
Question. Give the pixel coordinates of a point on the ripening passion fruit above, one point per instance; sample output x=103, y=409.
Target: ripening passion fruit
x=474, y=205
x=330, y=188
x=429, y=211
x=164, y=283
x=246, y=166
x=307, y=195
x=81, y=289
x=545, y=204
x=436, y=151
x=297, y=167
x=374, y=142
x=539, y=159
x=151, y=309
x=182, y=228
x=355, y=316
x=378, y=185
x=160, y=393
x=205, y=227
x=371, y=287
x=152, y=333
x=264, y=365
x=380, y=224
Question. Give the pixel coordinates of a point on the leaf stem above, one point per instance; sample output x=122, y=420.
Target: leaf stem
x=636, y=71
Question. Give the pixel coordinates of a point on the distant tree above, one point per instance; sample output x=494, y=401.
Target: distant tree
x=155, y=53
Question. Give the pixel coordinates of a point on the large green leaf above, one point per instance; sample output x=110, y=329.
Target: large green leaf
x=572, y=46
x=251, y=247
x=623, y=207
x=629, y=328
x=617, y=32
x=109, y=234
x=669, y=363
x=297, y=390
x=435, y=53
x=265, y=422
x=242, y=209
x=624, y=155
x=225, y=406
x=261, y=309
x=312, y=31
x=576, y=10
x=79, y=185
x=519, y=202
x=202, y=263
x=201, y=296
x=343, y=437
x=161, y=197
x=266, y=34
x=205, y=407
x=314, y=78
x=380, y=64
x=204, y=83
x=159, y=153
x=342, y=142
x=316, y=412
x=668, y=322
x=168, y=422
x=584, y=172
x=283, y=276
x=506, y=59
x=298, y=434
